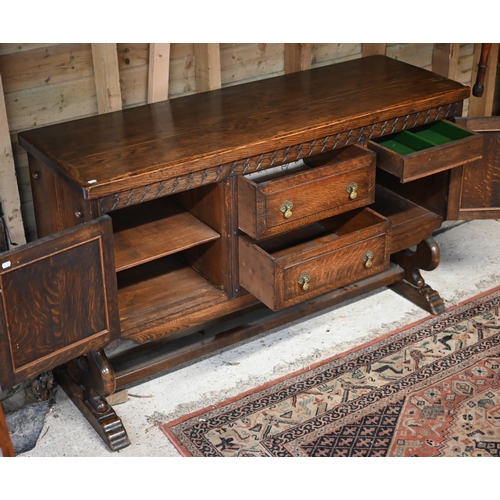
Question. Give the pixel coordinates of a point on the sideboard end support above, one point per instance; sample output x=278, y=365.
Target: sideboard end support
x=77, y=379
x=425, y=257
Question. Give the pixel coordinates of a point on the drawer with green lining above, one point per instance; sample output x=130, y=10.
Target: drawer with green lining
x=421, y=151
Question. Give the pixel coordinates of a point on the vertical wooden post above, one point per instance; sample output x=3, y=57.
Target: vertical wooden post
x=483, y=106
x=207, y=66
x=297, y=57
x=445, y=60
x=107, y=77
x=373, y=49
x=159, y=70
x=9, y=191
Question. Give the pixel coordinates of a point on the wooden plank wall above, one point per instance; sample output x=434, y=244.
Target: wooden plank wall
x=51, y=83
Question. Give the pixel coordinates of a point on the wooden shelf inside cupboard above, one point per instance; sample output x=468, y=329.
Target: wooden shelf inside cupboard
x=149, y=295
x=153, y=230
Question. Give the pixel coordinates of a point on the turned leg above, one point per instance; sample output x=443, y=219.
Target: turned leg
x=425, y=257
x=87, y=381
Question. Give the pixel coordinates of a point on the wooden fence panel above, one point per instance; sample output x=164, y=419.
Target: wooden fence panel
x=245, y=62
x=333, y=53
x=45, y=66
x=418, y=54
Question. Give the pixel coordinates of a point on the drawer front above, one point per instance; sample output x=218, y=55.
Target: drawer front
x=334, y=269
x=416, y=153
x=291, y=201
x=317, y=265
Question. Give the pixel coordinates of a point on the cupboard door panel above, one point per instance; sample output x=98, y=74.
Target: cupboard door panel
x=475, y=187
x=58, y=300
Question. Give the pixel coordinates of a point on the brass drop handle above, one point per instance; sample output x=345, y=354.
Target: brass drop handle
x=304, y=281
x=352, y=189
x=368, y=259
x=286, y=209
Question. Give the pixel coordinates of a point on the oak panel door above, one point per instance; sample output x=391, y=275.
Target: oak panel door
x=58, y=300
x=475, y=187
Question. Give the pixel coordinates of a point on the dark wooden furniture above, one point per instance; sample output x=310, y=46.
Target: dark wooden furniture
x=284, y=196
x=6, y=448
x=3, y=234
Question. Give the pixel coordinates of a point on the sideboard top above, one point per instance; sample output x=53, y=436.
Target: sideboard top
x=125, y=149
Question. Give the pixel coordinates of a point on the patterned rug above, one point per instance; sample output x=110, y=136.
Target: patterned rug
x=431, y=389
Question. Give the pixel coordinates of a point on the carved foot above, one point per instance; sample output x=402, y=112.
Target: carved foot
x=86, y=381
x=413, y=287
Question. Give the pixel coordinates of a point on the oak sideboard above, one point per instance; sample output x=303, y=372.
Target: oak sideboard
x=171, y=230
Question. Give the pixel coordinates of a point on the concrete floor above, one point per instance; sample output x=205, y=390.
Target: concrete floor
x=470, y=258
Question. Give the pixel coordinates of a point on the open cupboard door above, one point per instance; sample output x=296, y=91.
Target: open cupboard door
x=58, y=300
x=475, y=187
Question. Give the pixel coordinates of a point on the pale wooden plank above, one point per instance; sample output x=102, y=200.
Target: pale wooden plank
x=134, y=82
x=445, y=59
x=49, y=104
x=183, y=50
x=9, y=191
x=132, y=54
x=465, y=58
x=159, y=70
x=182, y=76
x=483, y=106
x=107, y=77
x=373, y=49
x=417, y=54
x=207, y=66
x=297, y=57
x=241, y=63
x=464, y=71
x=10, y=48
x=134, y=76
x=45, y=66
x=323, y=54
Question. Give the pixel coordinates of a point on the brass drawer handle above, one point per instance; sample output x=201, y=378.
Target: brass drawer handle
x=304, y=281
x=368, y=259
x=352, y=189
x=286, y=209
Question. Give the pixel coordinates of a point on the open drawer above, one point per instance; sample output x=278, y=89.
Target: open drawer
x=421, y=151
x=288, y=269
x=280, y=199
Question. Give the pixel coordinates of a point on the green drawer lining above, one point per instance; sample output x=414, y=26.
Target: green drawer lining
x=423, y=137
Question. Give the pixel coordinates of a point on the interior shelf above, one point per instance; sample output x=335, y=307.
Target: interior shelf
x=160, y=289
x=153, y=230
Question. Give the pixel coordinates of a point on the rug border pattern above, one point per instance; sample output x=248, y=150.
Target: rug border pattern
x=254, y=400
